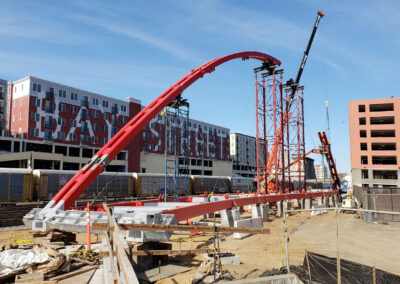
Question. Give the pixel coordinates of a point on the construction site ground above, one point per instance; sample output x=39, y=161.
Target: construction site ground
x=259, y=253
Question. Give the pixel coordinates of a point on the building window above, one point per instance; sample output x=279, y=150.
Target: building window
x=123, y=108
x=84, y=127
x=123, y=120
x=95, y=101
x=383, y=146
x=35, y=116
x=36, y=102
x=362, y=121
x=84, y=139
x=61, y=121
x=382, y=120
x=85, y=101
x=48, y=135
x=84, y=114
x=364, y=160
x=363, y=133
x=382, y=174
x=72, y=137
x=104, y=128
x=383, y=133
x=114, y=119
x=74, y=110
x=364, y=173
x=105, y=116
x=104, y=140
x=384, y=160
x=361, y=108
x=62, y=107
x=60, y=135
x=74, y=96
x=95, y=114
x=35, y=132
x=363, y=146
x=113, y=131
x=381, y=107
x=95, y=127
x=105, y=103
x=48, y=121
x=94, y=139
x=49, y=107
x=34, y=87
x=62, y=94
x=72, y=123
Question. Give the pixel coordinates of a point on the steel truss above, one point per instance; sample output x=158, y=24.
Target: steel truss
x=177, y=142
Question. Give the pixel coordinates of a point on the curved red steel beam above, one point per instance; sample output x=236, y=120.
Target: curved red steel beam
x=82, y=179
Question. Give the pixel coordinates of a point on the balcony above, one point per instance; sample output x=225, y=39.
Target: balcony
x=48, y=137
x=85, y=103
x=84, y=140
x=50, y=95
x=48, y=123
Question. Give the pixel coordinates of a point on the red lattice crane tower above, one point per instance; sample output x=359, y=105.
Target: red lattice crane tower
x=280, y=126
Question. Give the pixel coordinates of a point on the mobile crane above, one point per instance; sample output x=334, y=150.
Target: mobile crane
x=293, y=84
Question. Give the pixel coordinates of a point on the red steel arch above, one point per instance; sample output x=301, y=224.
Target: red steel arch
x=82, y=179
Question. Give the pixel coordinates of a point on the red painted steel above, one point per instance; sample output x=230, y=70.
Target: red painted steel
x=187, y=212
x=78, y=184
x=331, y=162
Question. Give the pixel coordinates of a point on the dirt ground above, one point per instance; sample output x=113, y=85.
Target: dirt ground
x=370, y=244
x=367, y=243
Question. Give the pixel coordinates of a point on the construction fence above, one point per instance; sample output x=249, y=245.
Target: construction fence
x=382, y=199
x=336, y=245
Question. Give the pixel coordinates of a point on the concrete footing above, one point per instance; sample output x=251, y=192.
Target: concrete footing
x=247, y=223
x=319, y=211
x=307, y=203
x=260, y=211
x=279, y=208
x=229, y=216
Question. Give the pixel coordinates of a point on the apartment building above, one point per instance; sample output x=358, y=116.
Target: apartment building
x=207, y=145
x=374, y=141
x=48, y=125
x=66, y=123
x=3, y=97
x=243, y=154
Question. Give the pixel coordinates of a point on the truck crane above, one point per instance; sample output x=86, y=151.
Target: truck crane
x=293, y=84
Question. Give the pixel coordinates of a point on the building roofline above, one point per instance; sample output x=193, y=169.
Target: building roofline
x=66, y=86
x=237, y=133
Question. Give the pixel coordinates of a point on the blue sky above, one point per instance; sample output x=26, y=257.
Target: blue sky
x=140, y=48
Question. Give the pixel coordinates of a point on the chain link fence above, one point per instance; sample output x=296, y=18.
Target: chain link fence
x=337, y=245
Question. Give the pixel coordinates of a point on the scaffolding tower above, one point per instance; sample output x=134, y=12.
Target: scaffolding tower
x=279, y=132
x=177, y=140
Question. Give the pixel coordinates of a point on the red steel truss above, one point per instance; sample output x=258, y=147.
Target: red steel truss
x=279, y=133
x=79, y=183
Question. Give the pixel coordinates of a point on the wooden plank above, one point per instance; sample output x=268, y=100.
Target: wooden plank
x=198, y=228
x=111, y=255
x=172, y=252
x=120, y=245
x=73, y=273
